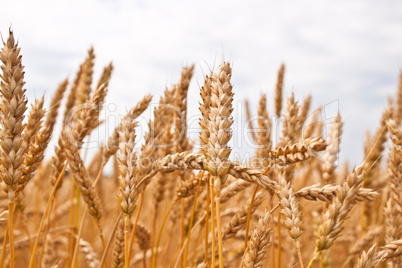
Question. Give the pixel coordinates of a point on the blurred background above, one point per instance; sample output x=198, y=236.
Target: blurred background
x=348, y=55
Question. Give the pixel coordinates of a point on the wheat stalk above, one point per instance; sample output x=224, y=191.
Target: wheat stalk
x=259, y=243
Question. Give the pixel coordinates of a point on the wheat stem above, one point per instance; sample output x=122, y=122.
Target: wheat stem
x=279, y=240
x=192, y=217
x=211, y=191
x=299, y=254
x=45, y=235
x=137, y=217
x=155, y=261
x=126, y=226
x=50, y=200
x=206, y=225
x=109, y=242
x=219, y=225
x=249, y=216
x=315, y=257
x=78, y=237
x=11, y=232
x=3, y=250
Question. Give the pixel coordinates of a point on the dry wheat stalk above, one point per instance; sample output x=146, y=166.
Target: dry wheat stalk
x=313, y=123
x=259, y=242
x=55, y=105
x=71, y=99
x=180, y=139
x=290, y=212
x=332, y=221
x=89, y=253
x=396, y=135
x=289, y=209
x=133, y=113
x=34, y=155
x=249, y=119
x=205, y=111
x=188, y=188
x=291, y=124
x=328, y=192
x=118, y=248
x=144, y=236
x=331, y=154
x=390, y=250
x=238, y=221
x=398, y=108
x=291, y=130
x=263, y=131
x=376, y=148
x=232, y=189
x=220, y=122
x=371, y=258
x=278, y=91
x=13, y=106
x=363, y=242
x=240, y=218
x=187, y=160
x=304, y=110
x=288, y=154
x=3, y=216
x=84, y=84
x=82, y=180
x=89, y=118
x=33, y=124
x=296, y=152
x=54, y=251
x=393, y=207
x=105, y=76
x=153, y=136
x=127, y=167
x=76, y=130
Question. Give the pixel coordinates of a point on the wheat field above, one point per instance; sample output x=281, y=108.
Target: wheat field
x=177, y=202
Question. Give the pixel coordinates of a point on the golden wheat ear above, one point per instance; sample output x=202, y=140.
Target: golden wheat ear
x=12, y=109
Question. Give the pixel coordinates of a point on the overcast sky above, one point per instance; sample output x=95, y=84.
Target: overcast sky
x=346, y=54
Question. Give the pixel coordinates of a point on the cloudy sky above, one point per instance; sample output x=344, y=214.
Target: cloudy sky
x=347, y=55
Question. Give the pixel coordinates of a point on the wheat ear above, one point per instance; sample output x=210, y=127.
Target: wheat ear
x=219, y=126
x=84, y=84
x=127, y=170
x=55, y=105
x=71, y=99
x=328, y=192
x=393, y=207
x=278, y=91
x=331, y=154
x=335, y=216
x=13, y=106
x=362, y=243
x=259, y=242
x=90, y=256
x=133, y=114
x=249, y=119
x=398, y=108
x=304, y=110
x=35, y=154
x=291, y=213
x=263, y=132
x=371, y=258
x=82, y=180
